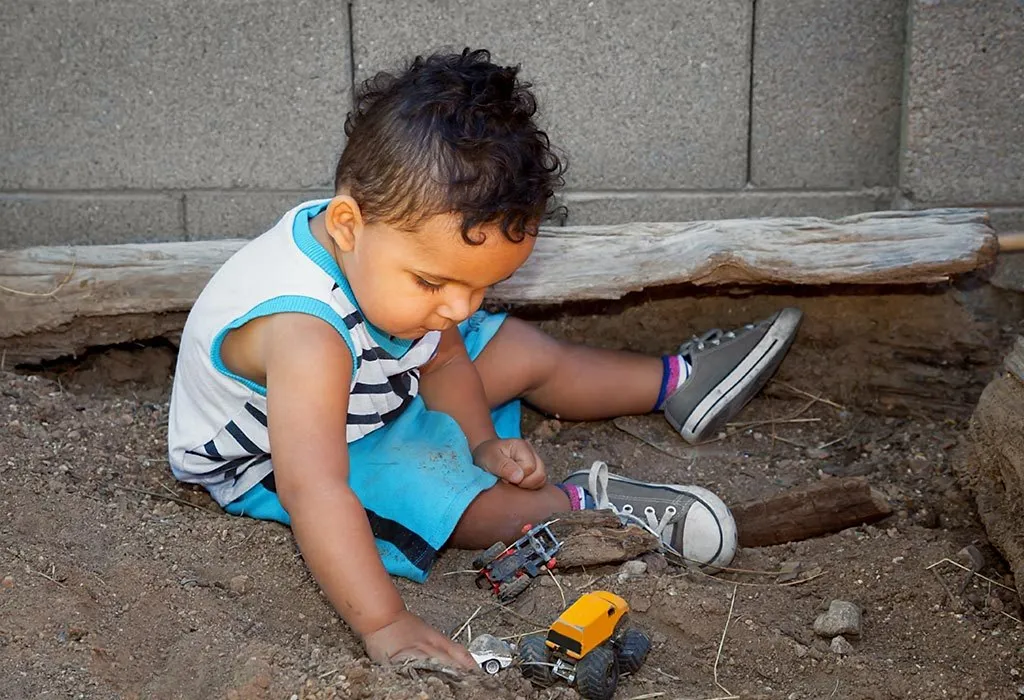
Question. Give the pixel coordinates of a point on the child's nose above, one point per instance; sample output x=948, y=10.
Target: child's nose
x=456, y=308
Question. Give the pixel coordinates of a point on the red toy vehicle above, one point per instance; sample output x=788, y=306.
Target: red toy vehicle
x=508, y=570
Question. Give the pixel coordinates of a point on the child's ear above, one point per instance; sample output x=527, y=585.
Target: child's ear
x=344, y=221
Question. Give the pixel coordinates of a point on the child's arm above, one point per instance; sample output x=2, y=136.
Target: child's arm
x=308, y=370
x=449, y=383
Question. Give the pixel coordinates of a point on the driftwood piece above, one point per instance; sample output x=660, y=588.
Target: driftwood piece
x=594, y=537
x=992, y=467
x=799, y=514
x=69, y=295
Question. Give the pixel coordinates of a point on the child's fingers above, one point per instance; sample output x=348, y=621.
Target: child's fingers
x=510, y=471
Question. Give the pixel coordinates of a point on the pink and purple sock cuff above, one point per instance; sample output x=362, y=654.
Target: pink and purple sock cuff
x=579, y=499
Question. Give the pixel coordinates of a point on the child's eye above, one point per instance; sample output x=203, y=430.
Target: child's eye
x=429, y=286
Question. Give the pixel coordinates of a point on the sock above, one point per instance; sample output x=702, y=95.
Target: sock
x=579, y=497
x=675, y=370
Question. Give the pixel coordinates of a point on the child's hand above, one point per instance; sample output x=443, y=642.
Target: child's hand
x=515, y=461
x=409, y=637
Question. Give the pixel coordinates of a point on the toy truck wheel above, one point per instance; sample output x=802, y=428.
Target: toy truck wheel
x=534, y=661
x=511, y=589
x=492, y=666
x=489, y=555
x=597, y=674
x=633, y=646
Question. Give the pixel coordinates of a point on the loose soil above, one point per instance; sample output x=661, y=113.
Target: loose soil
x=118, y=582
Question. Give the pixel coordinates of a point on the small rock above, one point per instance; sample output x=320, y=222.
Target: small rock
x=239, y=584
x=656, y=563
x=817, y=453
x=800, y=650
x=995, y=604
x=813, y=572
x=632, y=569
x=74, y=435
x=547, y=429
x=712, y=606
x=76, y=633
x=789, y=571
x=126, y=419
x=842, y=618
x=641, y=604
x=8, y=582
x=841, y=647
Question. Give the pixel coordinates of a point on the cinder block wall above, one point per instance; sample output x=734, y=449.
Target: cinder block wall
x=125, y=121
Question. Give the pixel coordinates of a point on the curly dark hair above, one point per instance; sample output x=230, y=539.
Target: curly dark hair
x=452, y=133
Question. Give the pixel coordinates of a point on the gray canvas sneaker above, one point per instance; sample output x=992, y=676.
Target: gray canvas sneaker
x=727, y=370
x=691, y=521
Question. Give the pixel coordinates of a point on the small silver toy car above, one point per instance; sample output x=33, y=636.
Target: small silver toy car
x=491, y=653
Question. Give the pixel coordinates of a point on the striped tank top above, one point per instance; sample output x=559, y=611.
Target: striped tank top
x=217, y=432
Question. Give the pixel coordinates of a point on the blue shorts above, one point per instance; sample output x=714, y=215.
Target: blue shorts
x=414, y=476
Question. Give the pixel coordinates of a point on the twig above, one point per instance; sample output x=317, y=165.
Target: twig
x=466, y=623
x=794, y=443
x=721, y=643
x=961, y=566
x=51, y=578
x=555, y=579
x=667, y=675
x=460, y=571
x=774, y=421
x=835, y=690
x=522, y=634
x=153, y=494
x=653, y=446
x=952, y=598
x=809, y=395
x=1019, y=622
x=328, y=673
x=648, y=696
x=50, y=293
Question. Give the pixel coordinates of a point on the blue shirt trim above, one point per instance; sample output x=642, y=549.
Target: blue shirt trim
x=277, y=305
x=311, y=248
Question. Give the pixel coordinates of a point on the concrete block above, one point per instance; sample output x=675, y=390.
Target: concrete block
x=643, y=94
x=964, y=129
x=827, y=88
x=55, y=219
x=175, y=94
x=214, y=215
x=587, y=209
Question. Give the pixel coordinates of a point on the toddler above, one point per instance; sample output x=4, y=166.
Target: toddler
x=348, y=338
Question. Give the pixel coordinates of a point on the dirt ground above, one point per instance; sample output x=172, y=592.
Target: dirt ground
x=119, y=583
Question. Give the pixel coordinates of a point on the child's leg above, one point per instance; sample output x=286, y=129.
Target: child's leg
x=499, y=513
x=575, y=382
x=700, y=389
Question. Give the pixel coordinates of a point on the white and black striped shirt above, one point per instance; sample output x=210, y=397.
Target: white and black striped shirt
x=217, y=434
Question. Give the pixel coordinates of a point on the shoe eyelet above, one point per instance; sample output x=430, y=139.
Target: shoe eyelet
x=627, y=509
x=649, y=510
x=671, y=510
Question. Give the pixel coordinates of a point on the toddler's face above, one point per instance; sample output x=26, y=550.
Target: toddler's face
x=408, y=283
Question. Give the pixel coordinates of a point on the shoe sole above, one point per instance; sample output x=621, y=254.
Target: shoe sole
x=724, y=522
x=746, y=379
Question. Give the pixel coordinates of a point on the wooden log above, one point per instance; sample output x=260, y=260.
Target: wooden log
x=799, y=514
x=595, y=537
x=53, y=300
x=992, y=467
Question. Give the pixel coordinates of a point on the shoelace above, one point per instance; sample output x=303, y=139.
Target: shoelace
x=598, y=483
x=713, y=337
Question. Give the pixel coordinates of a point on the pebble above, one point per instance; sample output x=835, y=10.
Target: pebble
x=842, y=618
x=841, y=647
x=788, y=571
x=800, y=650
x=656, y=563
x=239, y=584
x=817, y=453
x=8, y=582
x=632, y=569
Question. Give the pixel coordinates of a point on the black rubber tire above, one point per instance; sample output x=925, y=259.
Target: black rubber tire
x=597, y=674
x=534, y=661
x=489, y=555
x=512, y=589
x=633, y=646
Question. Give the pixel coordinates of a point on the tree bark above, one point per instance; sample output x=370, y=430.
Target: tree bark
x=56, y=301
x=799, y=514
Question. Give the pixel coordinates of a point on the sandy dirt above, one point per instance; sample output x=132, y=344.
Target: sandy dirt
x=118, y=582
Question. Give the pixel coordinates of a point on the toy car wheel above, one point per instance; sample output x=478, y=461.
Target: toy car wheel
x=633, y=646
x=492, y=666
x=489, y=555
x=511, y=589
x=534, y=661
x=597, y=674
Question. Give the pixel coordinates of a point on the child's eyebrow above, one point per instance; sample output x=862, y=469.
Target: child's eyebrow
x=442, y=278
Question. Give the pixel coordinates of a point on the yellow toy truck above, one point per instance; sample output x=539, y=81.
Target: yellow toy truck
x=589, y=645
